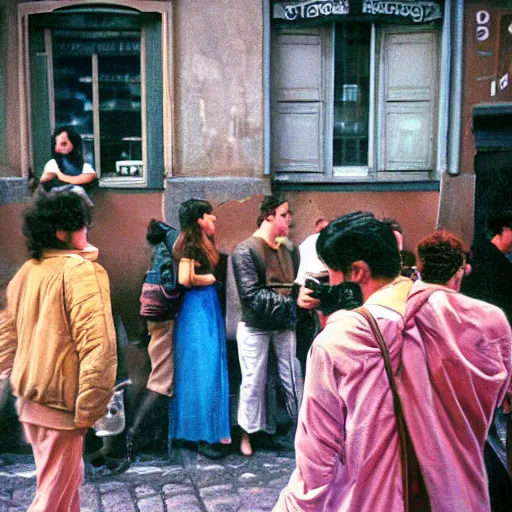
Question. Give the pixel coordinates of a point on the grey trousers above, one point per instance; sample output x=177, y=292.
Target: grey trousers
x=253, y=350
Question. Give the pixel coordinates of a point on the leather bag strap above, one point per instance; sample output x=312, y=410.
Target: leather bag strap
x=397, y=405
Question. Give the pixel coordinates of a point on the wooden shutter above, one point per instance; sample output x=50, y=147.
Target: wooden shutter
x=298, y=105
x=410, y=75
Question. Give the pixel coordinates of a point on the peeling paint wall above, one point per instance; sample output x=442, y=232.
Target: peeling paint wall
x=218, y=88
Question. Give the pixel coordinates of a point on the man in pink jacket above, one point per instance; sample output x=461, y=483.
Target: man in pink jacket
x=452, y=362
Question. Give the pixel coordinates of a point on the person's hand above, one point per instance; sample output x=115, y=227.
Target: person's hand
x=211, y=279
x=305, y=301
x=47, y=176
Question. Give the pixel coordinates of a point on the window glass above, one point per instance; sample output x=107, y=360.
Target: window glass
x=97, y=82
x=351, y=94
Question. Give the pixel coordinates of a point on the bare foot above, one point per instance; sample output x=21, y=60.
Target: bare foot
x=245, y=445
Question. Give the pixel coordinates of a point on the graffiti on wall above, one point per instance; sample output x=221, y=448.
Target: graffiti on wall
x=493, y=39
x=311, y=9
x=417, y=11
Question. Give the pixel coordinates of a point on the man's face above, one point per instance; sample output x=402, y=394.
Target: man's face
x=282, y=219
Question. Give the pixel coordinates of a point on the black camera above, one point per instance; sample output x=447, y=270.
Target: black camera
x=341, y=296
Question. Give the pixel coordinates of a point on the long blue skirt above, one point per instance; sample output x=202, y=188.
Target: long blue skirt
x=199, y=409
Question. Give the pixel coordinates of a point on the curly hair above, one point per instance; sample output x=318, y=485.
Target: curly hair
x=441, y=255
x=50, y=213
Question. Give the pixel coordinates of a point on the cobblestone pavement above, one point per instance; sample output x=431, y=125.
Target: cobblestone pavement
x=152, y=484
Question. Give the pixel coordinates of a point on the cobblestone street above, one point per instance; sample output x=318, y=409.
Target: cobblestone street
x=195, y=483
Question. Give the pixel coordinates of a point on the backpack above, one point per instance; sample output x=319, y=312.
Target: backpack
x=161, y=293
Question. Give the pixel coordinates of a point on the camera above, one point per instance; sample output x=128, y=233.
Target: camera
x=346, y=295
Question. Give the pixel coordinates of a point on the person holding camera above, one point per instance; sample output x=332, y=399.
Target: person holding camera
x=399, y=394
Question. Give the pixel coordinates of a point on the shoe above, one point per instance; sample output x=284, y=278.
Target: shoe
x=245, y=445
x=209, y=450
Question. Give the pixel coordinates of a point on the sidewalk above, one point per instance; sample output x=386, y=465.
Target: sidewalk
x=194, y=484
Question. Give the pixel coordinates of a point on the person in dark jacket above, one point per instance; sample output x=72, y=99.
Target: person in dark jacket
x=265, y=268
x=491, y=276
x=160, y=384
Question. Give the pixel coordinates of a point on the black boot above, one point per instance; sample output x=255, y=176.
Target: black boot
x=132, y=435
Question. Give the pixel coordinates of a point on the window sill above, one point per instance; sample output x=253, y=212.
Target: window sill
x=122, y=183
x=320, y=182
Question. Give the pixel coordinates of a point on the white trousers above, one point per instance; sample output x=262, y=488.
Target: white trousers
x=253, y=351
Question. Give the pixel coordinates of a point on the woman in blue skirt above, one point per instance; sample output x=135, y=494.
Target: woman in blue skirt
x=199, y=409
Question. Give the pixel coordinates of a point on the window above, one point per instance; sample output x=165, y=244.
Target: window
x=351, y=94
x=354, y=101
x=97, y=90
x=100, y=69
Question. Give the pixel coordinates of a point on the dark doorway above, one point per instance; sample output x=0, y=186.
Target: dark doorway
x=492, y=126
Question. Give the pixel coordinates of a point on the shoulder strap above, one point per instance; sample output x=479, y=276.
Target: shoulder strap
x=397, y=405
x=414, y=490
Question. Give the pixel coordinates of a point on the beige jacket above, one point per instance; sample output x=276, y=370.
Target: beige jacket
x=57, y=335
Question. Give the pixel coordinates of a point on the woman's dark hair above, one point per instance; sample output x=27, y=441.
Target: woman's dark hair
x=76, y=156
x=50, y=213
x=441, y=255
x=157, y=230
x=192, y=237
x=360, y=236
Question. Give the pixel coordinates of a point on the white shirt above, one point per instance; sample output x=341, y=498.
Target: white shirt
x=309, y=260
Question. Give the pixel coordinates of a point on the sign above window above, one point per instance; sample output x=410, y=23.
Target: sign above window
x=417, y=11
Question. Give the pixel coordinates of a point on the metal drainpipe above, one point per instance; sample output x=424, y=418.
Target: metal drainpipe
x=266, y=88
x=455, y=116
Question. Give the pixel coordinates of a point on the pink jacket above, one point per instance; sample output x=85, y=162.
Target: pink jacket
x=453, y=364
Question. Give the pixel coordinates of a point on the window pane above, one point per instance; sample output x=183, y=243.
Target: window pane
x=118, y=93
x=73, y=92
x=351, y=94
x=120, y=115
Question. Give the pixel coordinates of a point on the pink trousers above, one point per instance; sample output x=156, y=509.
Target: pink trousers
x=59, y=468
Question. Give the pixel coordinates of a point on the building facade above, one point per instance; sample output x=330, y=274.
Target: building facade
x=343, y=104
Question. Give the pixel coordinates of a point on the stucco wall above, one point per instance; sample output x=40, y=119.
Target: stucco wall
x=218, y=88
x=119, y=229
x=415, y=211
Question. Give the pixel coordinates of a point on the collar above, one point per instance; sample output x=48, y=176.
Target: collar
x=393, y=295
x=89, y=253
x=275, y=245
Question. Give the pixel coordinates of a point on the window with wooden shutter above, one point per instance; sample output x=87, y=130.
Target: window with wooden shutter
x=298, y=102
x=408, y=109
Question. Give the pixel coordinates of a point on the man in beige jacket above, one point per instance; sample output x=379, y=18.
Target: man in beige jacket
x=57, y=343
